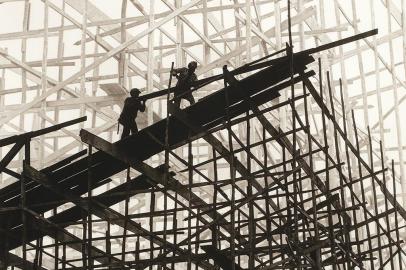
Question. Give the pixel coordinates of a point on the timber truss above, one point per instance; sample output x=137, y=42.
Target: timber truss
x=285, y=198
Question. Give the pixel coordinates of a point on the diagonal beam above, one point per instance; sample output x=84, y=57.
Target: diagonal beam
x=10, y=155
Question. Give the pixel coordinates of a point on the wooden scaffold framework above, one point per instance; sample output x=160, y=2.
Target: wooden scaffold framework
x=278, y=165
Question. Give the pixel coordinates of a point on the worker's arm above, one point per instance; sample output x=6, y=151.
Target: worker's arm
x=193, y=79
x=177, y=71
x=142, y=108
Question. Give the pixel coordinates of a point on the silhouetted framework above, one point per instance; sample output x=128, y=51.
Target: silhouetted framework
x=284, y=200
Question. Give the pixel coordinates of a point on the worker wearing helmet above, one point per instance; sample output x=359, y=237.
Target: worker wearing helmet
x=131, y=107
x=186, y=77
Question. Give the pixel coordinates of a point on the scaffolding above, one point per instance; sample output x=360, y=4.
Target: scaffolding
x=275, y=166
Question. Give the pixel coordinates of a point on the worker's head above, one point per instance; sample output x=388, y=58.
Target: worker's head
x=135, y=92
x=192, y=66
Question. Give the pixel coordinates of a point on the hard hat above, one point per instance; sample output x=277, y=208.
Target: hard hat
x=134, y=92
x=192, y=64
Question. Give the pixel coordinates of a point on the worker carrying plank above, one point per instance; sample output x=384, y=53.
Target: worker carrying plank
x=127, y=117
x=185, y=76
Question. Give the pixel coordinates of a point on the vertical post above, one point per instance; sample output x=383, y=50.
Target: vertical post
x=108, y=243
x=23, y=213
x=122, y=78
x=378, y=77
x=288, y=210
x=84, y=239
x=151, y=224
x=396, y=213
x=344, y=82
x=83, y=62
x=248, y=30
x=179, y=36
x=90, y=208
x=151, y=59
x=27, y=152
x=3, y=253
x=126, y=204
x=206, y=52
x=122, y=73
x=2, y=87
x=399, y=132
x=267, y=198
x=317, y=255
x=137, y=251
x=375, y=200
x=338, y=158
x=26, y=20
x=167, y=150
x=215, y=238
x=294, y=135
x=349, y=162
x=251, y=215
x=238, y=36
x=367, y=246
x=360, y=66
x=56, y=249
x=44, y=81
x=167, y=126
x=190, y=176
x=232, y=168
x=387, y=220
x=95, y=83
x=326, y=167
x=60, y=71
x=64, y=257
x=175, y=223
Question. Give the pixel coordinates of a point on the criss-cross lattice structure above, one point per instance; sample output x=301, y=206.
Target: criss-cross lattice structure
x=279, y=164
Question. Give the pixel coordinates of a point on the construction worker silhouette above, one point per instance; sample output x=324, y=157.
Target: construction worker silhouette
x=185, y=76
x=131, y=107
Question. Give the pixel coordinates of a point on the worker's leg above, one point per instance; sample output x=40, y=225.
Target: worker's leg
x=190, y=98
x=177, y=103
x=134, y=128
x=126, y=131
